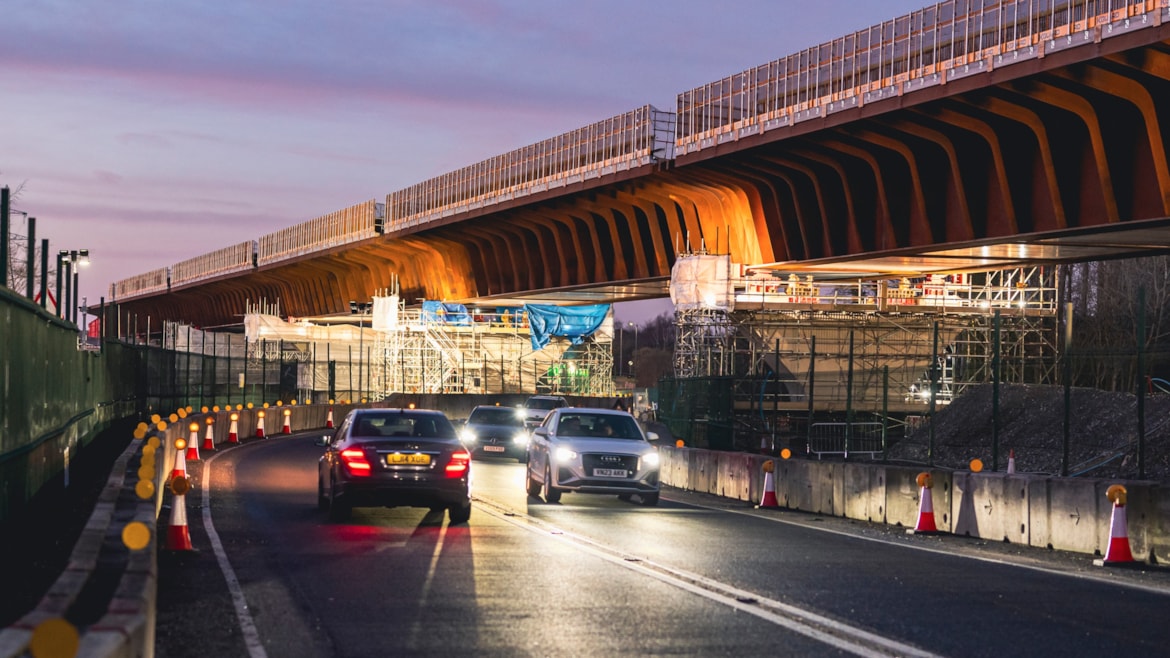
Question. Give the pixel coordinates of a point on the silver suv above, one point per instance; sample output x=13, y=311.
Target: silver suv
x=537, y=407
x=601, y=451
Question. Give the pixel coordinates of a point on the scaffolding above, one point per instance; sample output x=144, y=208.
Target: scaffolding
x=870, y=345
x=487, y=355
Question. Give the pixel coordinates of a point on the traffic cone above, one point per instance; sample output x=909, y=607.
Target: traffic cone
x=769, y=498
x=1011, y=462
x=234, y=430
x=925, y=523
x=209, y=439
x=178, y=536
x=180, y=470
x=1118, y=551
x=329, y=419
x=287, y=429
x=193, y=444
x=260, y=425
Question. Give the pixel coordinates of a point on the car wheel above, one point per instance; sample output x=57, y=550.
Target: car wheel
x=530, y=485
x=551, y=493
x=339, y=510
x=458, y=514
x=649, y=500
x=625, y=497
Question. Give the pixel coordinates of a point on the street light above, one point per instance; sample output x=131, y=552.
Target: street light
x=634, y=354
x=69, y=258
x=361, y=309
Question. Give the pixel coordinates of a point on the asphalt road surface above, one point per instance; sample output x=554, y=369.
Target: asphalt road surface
x=593, y=575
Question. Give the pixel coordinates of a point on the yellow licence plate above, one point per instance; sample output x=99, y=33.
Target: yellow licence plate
x=411, y=458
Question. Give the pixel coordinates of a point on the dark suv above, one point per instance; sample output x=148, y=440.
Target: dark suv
x=493, y=431
x=537, y=407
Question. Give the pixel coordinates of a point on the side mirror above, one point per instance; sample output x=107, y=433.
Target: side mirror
x=540, y=430
x=652, y=436
x=323, y=441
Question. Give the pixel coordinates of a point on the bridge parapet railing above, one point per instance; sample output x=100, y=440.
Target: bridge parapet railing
x=637, y=138
x=138, y=285
x=924, y=48
x=344, y=226
x=235, y=258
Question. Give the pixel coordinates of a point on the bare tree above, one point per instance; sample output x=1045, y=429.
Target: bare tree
x=1105, y=298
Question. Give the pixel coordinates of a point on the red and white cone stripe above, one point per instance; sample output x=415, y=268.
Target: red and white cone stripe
x=234, y=432
x=260, y=427
x=287, y=429
x=180, y=470
x=769, y=499
x=925, y=522
x=178, y=535
x=193, y=446
x=209, y=439
x=329, y=419
x=1118, y=550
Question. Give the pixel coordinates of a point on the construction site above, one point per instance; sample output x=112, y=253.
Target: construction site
x=769, y=358
x=761, y=358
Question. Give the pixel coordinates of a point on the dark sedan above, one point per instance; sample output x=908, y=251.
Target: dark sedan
x=495, y=432
x=395, y=458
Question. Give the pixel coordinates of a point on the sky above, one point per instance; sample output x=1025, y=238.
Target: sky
x=152, y=132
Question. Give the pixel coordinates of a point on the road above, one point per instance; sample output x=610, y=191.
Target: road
x=696, y=575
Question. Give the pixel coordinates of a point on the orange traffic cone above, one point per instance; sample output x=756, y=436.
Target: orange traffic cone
x=259, y=424
x=234, y=429
x=329, y=419
x=925, y=523
x=1118, y=551
x=287, y=429
x=178, y=536
x=180, y=470
x=209, y=438
x=1011, y=462
x=193, y=443
x=769, y=498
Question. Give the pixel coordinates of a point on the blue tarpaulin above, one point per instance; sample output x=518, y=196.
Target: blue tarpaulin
x=455, y=314
x=573, y=322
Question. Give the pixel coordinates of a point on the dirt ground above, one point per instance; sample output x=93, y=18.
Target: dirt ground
x=1102, y=431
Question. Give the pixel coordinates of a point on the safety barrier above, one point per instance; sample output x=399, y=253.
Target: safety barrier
x=1034, y=510
x=108, y=550
x=846, y=438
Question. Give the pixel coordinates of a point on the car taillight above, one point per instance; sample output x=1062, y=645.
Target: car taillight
x=355, y=461
x=460, y=462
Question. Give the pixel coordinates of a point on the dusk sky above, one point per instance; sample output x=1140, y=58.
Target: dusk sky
x=153, y=132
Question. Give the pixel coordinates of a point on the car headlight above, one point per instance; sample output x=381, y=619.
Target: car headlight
x=650, y=460
x=520, y=438
x=467, y=436
x=521, y=413
x=564, y=455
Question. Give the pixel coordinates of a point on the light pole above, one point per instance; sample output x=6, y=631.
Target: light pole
x=621, y=330
x=634, y=354
x=360, y=309
x=72, y=260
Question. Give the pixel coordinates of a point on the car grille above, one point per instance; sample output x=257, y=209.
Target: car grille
x=592, y=461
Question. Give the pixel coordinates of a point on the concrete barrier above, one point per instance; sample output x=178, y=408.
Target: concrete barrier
x=127, y=627
x=1070, y=514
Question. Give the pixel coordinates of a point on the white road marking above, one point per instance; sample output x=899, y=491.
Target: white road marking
x=247, y=626
x=822, y=629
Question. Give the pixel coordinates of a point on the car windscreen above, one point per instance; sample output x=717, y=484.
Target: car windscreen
x=540, y=403
x=494, y=416
x=610, y=426
x=430, y=426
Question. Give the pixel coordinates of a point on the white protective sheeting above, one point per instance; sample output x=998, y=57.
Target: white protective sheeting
x=385, y=313
x=702, y=282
